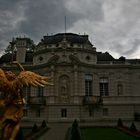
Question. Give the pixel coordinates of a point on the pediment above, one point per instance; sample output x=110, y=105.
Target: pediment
x=53, y=60
x=64, y=60
x=74, y=59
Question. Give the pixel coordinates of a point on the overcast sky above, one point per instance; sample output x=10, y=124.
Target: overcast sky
x=112, y=25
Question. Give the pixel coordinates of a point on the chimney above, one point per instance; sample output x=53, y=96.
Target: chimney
x=21, y=44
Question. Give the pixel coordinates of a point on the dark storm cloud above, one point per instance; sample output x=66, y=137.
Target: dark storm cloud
x=110, y=24
x=119, y=21
x=43, y=17
x=90, y=9
x=46, y=17
x=132, y=48
x=10, y=16
x=9, y=4
x=38, y=18
x=32, y=18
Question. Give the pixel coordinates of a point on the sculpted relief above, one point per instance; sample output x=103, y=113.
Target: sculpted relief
x=64, y=88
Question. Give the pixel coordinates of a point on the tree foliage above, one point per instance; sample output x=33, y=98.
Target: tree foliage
x=133, y=127
x=75, y=131
x=12, y=47
x=120, y=123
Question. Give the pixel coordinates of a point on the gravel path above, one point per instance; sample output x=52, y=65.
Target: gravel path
x=57, y=131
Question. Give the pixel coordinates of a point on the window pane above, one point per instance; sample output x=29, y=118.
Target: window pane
x=88, y=77
x=25, y=112
x=40, y=91
x=103, y=87
x=27, y=92
x=88, y=85
x=63, y=113
x=103, y=80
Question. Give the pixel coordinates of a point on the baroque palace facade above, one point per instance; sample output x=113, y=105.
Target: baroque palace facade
x=88, y=85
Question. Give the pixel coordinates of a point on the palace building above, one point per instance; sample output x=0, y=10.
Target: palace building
x=88, y=85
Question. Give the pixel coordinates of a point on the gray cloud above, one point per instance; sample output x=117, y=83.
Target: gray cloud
x=11, y=14
x=90, y=9
x=133, y=45
x=117, y=25
x=111, y=25
x=44, y=17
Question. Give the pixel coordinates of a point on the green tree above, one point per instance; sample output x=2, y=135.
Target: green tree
x=75, y=131
x=34, y=128
x=44, y=124
x=120, y=123
x=133, y=127
x=12, y=47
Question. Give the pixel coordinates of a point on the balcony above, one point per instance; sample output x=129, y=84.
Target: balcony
x=37, y=100
x=92, y=100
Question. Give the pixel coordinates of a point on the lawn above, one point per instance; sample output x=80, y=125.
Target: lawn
x=26, y=130
x=99, y=133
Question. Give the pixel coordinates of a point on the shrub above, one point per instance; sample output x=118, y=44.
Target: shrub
x=19, y=135
x=133, y=127
x=43, y=124
x=35, y=128
x=120, y=123
x=75, y=124
x=75, y=131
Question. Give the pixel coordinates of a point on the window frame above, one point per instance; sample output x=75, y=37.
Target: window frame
x=104, y=86
x=64, y=113
x=88, y=85
x=40, y=92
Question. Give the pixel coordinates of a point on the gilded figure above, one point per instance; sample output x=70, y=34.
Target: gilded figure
x=12, y=100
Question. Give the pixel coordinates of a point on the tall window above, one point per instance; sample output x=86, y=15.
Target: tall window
x=40, y=92
x=25, y=112
x=64, y=113
x=88, y=85
x=104, y=87
x=27, y=92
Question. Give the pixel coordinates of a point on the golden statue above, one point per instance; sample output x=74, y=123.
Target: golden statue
x=12, y=100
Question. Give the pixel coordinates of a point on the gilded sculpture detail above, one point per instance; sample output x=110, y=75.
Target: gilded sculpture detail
x=12, y=100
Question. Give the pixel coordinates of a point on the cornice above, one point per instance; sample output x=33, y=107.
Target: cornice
x=60, y=49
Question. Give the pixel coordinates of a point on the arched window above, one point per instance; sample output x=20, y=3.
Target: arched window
x=88, y=85
x=103, y=86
